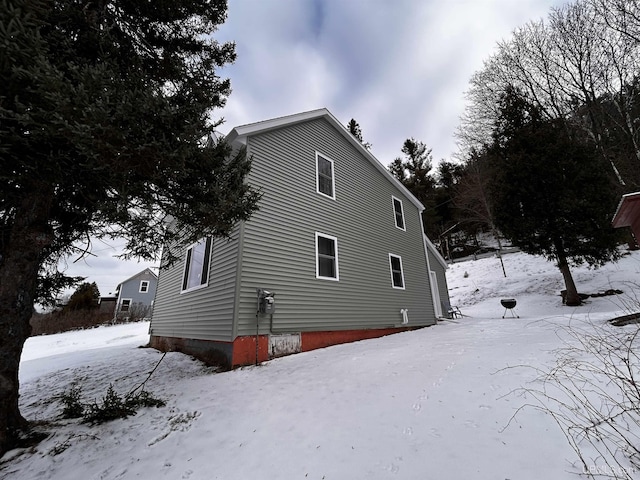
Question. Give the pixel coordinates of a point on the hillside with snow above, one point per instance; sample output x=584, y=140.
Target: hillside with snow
x=436, y=403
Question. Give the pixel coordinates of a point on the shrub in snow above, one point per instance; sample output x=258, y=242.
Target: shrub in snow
x=72, y=406
x=593, y=394
x=112, y=406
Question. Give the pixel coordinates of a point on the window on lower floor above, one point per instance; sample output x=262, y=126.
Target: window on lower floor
x=196, y=265
x=125, y=305
x=326, y=257
x=397, y=275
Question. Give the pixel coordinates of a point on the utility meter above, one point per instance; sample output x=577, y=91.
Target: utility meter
x=266, y=302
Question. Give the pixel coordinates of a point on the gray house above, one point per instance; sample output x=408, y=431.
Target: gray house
x=336, y=253
x=136, y=294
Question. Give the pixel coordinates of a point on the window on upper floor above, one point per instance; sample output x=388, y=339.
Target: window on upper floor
x=326, y=257
x=144, y=286
x=398, y=212
x=325, y=176
x=397, y=275
x=196, y=265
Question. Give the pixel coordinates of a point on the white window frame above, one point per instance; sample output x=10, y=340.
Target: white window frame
x=395, y=216
x=391, y=255
x=205, y=265
x=129, y=304
x=145, y=284
x=337, y=269
x=333, y=176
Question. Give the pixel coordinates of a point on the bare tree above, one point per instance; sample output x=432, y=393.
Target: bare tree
x=581, y=65
x=472, y=197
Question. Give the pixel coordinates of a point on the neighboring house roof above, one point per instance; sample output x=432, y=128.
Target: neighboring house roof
x=146, y=270
x=628, y=211
x=240, y=134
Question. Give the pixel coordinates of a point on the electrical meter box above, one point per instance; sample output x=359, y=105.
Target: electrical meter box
x=266, y=302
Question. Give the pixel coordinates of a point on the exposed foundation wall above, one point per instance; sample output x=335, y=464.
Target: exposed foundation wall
x=314, y=340
x=210, y=352
x=242, y=351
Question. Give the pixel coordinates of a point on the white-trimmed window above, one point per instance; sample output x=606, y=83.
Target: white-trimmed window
x=327, y=257
x=196, y=265
x=325, y=176
x=125, y=305
x=144, y=286
x=397, y=275
x=398, y=212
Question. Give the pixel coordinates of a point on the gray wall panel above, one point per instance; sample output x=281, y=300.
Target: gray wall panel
x=443, y=288
x=279, y=241
x=130, y=289
x=205, y=313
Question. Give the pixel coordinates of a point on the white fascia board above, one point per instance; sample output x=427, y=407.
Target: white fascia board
x=240, y=134
x=435, y=252
x=138, y=274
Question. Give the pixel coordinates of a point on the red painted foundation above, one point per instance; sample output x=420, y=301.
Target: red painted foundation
x=314, y=340
x=242, y=351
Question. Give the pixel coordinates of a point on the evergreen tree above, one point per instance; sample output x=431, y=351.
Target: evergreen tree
x=414, y=173
x=85, y=297
x=448, y=176
x=550, y=191
x=103, y=110
x=356, y=131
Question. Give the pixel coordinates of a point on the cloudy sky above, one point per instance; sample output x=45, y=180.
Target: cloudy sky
x=399, y=67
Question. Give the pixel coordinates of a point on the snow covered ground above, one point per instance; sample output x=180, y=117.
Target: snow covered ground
x=436, y=403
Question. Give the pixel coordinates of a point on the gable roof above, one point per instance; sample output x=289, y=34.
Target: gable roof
x=239, y=135
x=138, y=274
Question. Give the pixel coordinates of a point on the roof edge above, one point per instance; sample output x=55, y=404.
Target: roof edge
x=139, y=273
x=238, y=135
x=628, y=197
x=435, y=252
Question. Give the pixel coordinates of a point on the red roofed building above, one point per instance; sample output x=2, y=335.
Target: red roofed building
x=628, y=214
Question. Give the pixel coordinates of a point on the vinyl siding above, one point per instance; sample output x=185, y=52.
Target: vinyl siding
x=443, y=289
x=279, y=240
x=131, y=289
x=205, y=313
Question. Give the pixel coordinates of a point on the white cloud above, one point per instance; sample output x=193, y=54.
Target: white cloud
x=399, y=68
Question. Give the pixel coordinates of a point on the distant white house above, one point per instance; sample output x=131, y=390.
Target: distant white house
x=135, y=295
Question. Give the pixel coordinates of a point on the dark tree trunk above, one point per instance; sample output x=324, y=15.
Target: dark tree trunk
x=571, y=298
x=20, y=259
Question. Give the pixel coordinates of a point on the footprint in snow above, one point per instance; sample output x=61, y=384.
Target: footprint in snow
x=176, y=423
